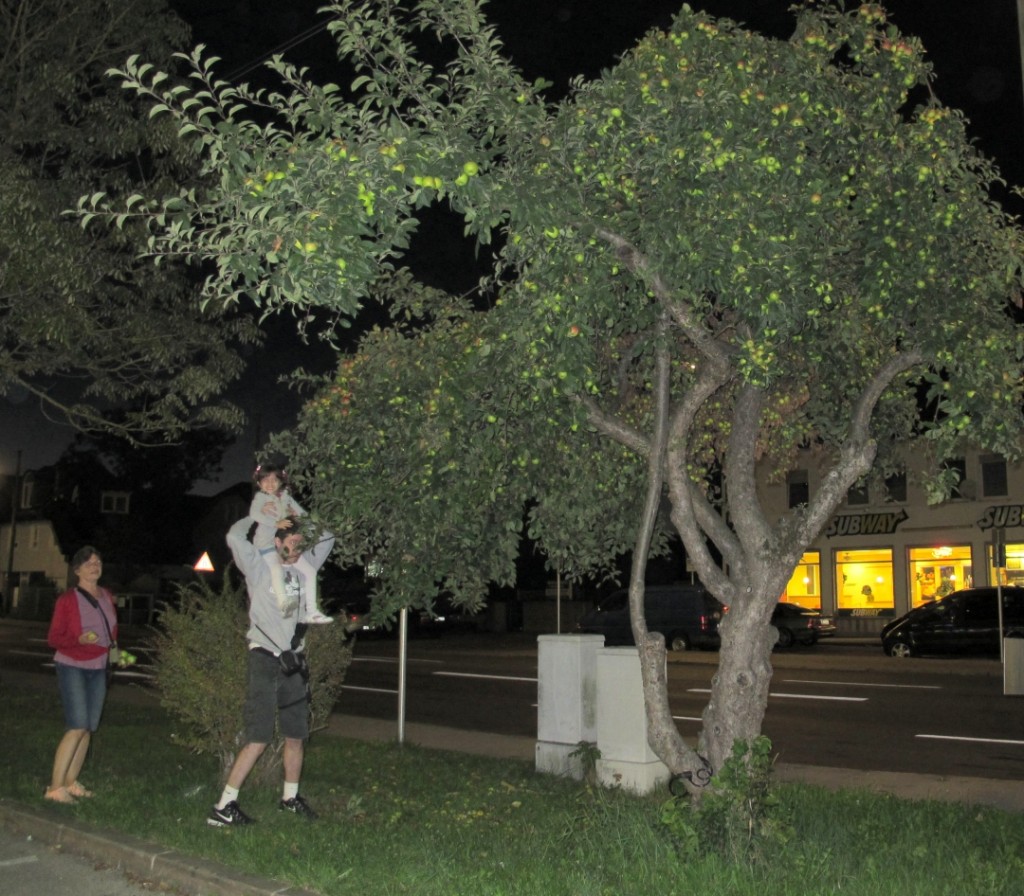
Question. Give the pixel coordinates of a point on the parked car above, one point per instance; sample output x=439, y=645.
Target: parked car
x=965, y=621
x=686, y=616
x=800, y=625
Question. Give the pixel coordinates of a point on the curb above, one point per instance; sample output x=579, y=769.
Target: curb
x=140, y=858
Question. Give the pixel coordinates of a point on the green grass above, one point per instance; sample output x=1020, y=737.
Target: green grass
x=404, y=820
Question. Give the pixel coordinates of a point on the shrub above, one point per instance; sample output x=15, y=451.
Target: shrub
x=200, y=666
x=738, y=816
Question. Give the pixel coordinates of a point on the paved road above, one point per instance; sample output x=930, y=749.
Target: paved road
x=29, y=867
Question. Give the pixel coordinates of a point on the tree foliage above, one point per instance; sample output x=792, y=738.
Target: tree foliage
x=84, y=325
x=726, y=248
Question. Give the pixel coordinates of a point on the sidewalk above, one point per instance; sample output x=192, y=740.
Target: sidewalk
x=190, y=875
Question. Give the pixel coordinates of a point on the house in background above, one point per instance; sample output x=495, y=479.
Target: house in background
x=150, y=538
x=887, y=550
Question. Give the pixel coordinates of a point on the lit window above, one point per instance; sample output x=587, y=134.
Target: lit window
x=804, y=586
x=864, y=582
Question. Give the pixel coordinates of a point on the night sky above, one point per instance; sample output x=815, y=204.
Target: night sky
x=973, y=46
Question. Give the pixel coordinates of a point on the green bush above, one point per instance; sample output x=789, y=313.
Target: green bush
x=200, y=669
x=738, y=817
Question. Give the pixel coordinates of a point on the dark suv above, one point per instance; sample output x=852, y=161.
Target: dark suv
x=962, y=622
x=686, y=615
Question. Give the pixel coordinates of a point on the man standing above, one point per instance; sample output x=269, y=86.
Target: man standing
x=271, y=688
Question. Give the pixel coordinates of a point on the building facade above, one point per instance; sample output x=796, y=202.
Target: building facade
x=887, y=550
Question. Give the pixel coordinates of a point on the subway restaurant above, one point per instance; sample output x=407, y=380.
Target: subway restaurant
x=887, y=551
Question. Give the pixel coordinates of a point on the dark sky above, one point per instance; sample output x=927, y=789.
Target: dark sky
x=973, y=46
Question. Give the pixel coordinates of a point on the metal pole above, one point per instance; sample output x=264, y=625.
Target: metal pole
x=999, y=562
x=558, y=596
x=7, y=603
x=403, y=638
x=1020, y=33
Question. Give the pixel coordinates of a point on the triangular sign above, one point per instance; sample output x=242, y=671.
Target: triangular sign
x=204, y=563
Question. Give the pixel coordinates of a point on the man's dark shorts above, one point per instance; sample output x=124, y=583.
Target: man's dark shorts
x=270, y=692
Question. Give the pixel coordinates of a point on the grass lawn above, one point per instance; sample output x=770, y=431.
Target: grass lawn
x=398, y=820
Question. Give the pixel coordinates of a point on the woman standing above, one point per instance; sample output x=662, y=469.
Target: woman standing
x=82, y=631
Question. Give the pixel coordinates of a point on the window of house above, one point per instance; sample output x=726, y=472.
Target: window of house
x=896, y=487
x=804, y=585
x=993, y=476
x=858, y=494
x=798, y=488
x=938, y=570
x=28, y=491
x=114, y=502
x=864, y=582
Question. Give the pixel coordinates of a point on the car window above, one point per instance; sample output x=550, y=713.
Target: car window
x=617, y=601
x=980, y=607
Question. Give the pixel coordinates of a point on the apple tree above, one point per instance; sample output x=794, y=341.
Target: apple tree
x=726, y=248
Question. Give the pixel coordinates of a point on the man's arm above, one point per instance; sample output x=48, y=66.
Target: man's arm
x=246, y=556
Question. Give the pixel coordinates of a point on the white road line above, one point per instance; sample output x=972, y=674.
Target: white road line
x=391, y=661
x=796, y=696
x=352, y=687
x=972, y=740
x=864, y=684
x=491, y=677
x=24, y=860
x=688, y=718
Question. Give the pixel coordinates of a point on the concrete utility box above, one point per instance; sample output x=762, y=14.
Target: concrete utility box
x=1013, y=664
x=626, y=759
x=566, y=700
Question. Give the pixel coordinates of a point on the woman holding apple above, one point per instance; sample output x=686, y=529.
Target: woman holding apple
x=83, y=632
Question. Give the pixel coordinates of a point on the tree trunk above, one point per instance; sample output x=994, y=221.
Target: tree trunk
x=739, y=689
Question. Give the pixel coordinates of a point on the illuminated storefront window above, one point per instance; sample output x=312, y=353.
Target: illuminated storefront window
x=1014, y=572
x=864, y=582
x=938, y=571
x=804, y=586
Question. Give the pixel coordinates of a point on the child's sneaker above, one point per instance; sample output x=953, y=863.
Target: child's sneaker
x=318, y=618
x=230, y=816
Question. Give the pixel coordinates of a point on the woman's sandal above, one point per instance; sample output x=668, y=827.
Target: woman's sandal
x=59, y=795
x=77, y=790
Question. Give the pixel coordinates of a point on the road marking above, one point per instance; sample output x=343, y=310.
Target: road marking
x=972, y=740
x=25, y=860
x=864, y=684
x=352, y=687
x=796, y=696
x=490, y=677
x=688, y=718
x=391, y=661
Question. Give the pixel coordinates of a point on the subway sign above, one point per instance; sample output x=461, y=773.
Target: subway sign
x=865, y=524
x=1008, y=516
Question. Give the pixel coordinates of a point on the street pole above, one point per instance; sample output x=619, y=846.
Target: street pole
x=7, y=603
x=1020, y=34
